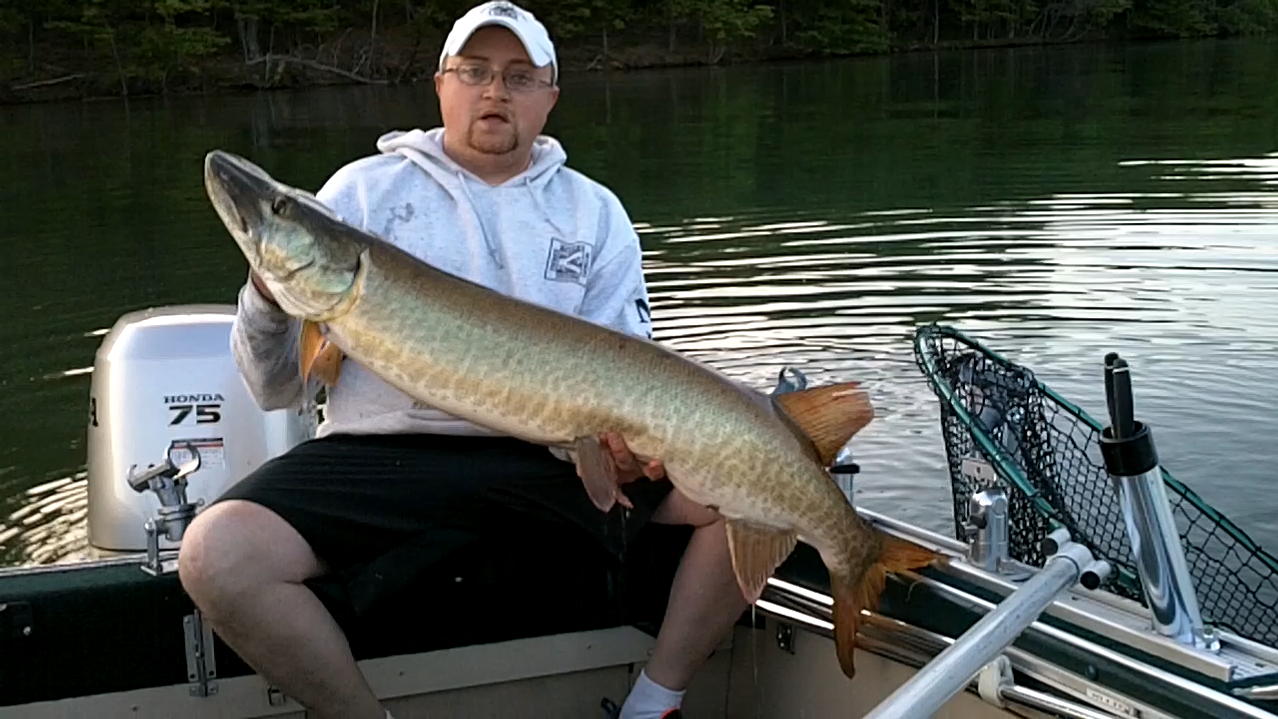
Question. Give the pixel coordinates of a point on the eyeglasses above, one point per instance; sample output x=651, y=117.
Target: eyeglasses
x=515, y=79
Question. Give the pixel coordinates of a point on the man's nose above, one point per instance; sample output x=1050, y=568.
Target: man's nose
x=496, y=87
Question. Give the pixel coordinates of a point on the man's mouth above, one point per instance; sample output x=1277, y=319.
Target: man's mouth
x=494, y=116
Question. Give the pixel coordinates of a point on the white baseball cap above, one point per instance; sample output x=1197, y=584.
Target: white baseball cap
x=530, y=32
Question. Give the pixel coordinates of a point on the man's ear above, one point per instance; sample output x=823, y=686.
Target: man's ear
x=439, y=80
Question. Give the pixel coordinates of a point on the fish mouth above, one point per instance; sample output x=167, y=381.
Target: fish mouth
x=293, y=272
x=231, y=169
x=235, y=187
x=281, y=277
x=317, y=304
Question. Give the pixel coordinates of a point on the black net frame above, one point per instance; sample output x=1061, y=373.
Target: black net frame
x=1044, y=451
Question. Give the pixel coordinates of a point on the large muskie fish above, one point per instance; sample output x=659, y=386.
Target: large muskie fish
x=558, y=380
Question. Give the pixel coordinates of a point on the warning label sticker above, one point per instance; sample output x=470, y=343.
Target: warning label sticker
x=212, y=451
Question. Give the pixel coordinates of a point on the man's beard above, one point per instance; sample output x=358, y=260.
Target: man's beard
x=499, y=143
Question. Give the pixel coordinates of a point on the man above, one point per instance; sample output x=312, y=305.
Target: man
x=487, y=198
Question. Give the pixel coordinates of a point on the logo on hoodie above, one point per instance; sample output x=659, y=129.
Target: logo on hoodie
x=568, y=261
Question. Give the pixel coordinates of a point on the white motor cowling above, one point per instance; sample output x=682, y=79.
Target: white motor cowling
x=164, y=380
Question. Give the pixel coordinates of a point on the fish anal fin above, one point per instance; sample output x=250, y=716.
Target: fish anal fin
x=317, y=356
x=597, y=471
x=756, y=552
x=828, y=415
x=853, y=595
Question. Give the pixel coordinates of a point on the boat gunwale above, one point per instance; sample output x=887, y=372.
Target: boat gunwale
x=1119, y=618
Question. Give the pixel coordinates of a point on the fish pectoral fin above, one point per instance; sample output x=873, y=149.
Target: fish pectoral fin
x=597, y=471
x=757, y=550
x=828, y=415
x=317, y=356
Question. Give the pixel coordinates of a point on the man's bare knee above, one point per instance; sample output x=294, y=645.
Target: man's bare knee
x=236, y=545
x=678, y=509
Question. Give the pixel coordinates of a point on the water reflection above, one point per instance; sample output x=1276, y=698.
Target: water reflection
x=1054, y=282
x=809, y=215
x=49, y=524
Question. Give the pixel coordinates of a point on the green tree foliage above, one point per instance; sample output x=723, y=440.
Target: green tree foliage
x=1247, y=17
x=724, y=22
x=854, y=26
x=587, y=20
x=266, y=26
x=1173, y=18
x=13, y=18
x=166, y=47
x=15, y=25
x=162, y=45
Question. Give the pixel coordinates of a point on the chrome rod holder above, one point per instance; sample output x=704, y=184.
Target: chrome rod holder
x=987, y=529
x=844, y=470
x=1160, y=560
x=168, y=482
x=1127, y=447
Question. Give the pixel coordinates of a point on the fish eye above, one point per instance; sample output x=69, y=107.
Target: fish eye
x=280, y=205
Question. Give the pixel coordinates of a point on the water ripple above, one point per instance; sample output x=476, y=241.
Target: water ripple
x=1167, y=277
x=812, y=216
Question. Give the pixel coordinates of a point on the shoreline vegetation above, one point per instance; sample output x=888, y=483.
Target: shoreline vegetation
x=79, y=49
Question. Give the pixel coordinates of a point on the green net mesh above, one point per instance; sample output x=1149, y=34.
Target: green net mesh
x=1045, y=453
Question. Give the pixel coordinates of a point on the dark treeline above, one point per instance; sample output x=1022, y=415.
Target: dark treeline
x=62, y=48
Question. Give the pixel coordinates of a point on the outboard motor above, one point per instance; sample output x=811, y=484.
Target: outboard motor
x=165, y=392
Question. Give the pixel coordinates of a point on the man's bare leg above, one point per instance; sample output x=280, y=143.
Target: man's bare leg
x=705, y=600
x=244, y=566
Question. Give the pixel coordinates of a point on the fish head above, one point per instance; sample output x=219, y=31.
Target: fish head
x=309, y=259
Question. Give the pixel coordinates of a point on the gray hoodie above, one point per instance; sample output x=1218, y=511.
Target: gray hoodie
x=549, y=235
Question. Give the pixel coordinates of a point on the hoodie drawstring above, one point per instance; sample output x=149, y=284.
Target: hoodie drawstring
x=426, y=150
x=483, y=229
x=541, y=207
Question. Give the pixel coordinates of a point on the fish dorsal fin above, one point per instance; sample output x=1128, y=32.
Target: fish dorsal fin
x=756, y=552
x=317, y=356
x=597, y=471
x=828, y=415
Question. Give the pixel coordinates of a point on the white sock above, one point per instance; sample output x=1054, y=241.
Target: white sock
x=649, y=700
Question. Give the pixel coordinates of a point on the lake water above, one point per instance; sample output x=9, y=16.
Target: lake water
x=1054, y=203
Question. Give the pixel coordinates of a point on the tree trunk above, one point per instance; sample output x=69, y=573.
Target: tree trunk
x=31, y=44
x=781, y=12
x=412, y=58
x=605, y=46
x=270, y=50
x=246, y=27
x=119, y=67
x=372, y=41
x=936, y=23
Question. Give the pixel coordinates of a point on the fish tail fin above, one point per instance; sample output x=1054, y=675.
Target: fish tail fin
x=852, y=593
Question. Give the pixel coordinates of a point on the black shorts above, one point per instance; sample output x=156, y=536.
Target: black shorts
x=357, y=499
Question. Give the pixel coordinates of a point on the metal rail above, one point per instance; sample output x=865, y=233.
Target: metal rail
x=929, y=689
